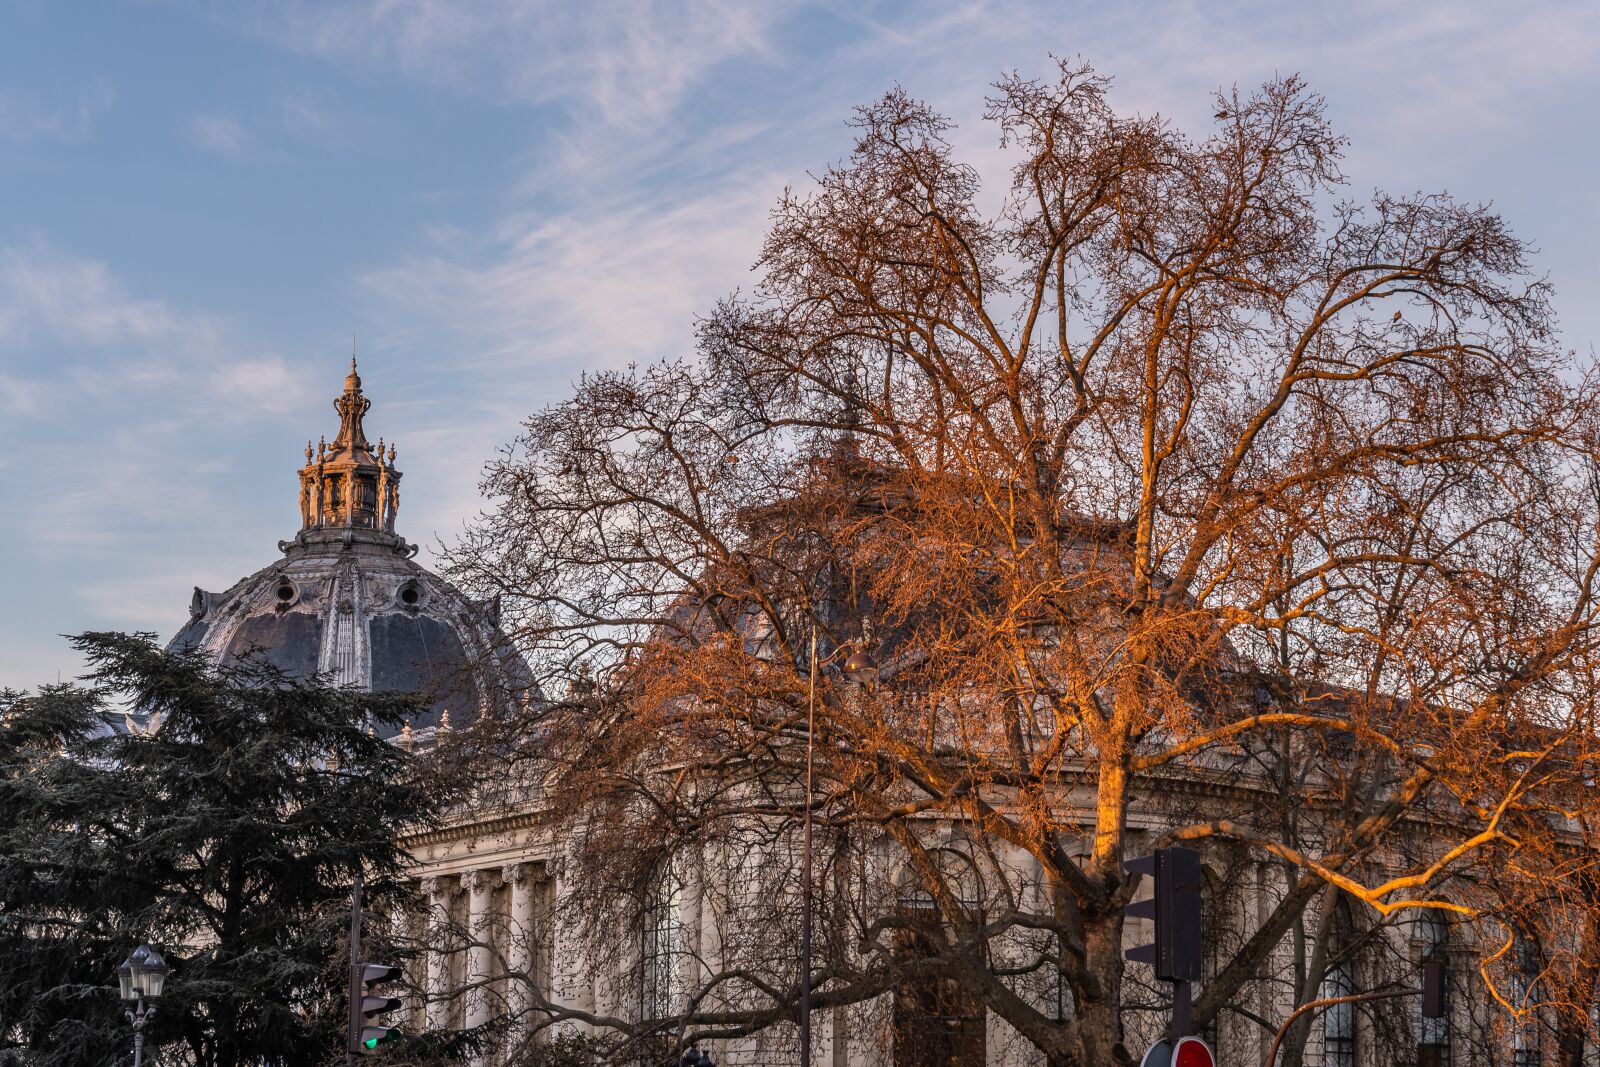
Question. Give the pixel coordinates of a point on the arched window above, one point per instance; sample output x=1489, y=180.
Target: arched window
x=1339, y=1020
x=661, y=948
x=1433, y=1035
x=937, y=1021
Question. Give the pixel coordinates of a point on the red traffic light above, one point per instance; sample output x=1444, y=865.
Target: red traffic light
x=1192, y=1052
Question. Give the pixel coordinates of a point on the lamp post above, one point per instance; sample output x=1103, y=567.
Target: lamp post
x=140, y=979
x=860, y=669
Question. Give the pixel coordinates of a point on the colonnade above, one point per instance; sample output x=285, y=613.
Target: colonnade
x=490, y=944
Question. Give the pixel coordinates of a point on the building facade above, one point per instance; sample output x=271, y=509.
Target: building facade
x=498, y=917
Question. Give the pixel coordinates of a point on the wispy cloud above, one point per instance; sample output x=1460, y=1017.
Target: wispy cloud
x=304, y=113
x=264, y=385
x=46, y=292
x=64, y=117
x=121, y=388
x=630, y=62
x=604, y=285
x=19, y=396
x=219, y=133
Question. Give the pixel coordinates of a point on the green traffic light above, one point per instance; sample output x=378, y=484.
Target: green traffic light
x=373, y=1036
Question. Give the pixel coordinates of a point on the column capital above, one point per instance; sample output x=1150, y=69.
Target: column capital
x=432, y=885
x=479, y=881
x=515, y=873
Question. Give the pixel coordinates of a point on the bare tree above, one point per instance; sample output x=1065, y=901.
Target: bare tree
x=1174, y=489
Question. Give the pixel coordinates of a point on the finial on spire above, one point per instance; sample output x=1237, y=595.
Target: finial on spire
x=351, y=407
x=308, y=450
x=322, y=446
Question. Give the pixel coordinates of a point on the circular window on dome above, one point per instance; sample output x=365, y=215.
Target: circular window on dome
x=285, y=592
x=410, y=595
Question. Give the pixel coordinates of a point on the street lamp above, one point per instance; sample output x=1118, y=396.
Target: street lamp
x=861, y=668
x=141, y=977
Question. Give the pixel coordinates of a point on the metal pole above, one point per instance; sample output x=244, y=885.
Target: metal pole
x=805, y=867
x=1181, y=1002
x=353, y=1029
x=138, y=1016
x=138, y=1036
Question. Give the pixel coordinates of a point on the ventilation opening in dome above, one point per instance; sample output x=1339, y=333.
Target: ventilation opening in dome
x=409, y=596
x=285, y=593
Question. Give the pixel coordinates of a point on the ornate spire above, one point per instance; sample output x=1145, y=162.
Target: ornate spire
x=351, y=407
x=347, y=485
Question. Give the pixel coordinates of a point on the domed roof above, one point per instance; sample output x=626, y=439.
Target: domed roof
x=349, y=602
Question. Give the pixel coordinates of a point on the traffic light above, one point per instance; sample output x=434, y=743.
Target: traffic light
x=366, y=1030
x=1178, y=952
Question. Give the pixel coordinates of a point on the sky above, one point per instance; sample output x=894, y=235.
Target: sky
x=201, y=204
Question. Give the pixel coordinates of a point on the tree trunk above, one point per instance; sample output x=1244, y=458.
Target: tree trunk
x=1099, y=1019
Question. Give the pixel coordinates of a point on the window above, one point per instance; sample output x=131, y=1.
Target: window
x=1524, y=991
x=662, y=948
x=1339, y=1020
x=937, y=1021
x=1433, y=1035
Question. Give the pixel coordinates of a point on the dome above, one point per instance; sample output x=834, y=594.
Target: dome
x=348, y=601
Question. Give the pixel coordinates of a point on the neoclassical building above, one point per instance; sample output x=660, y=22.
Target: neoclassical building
x=346, y=599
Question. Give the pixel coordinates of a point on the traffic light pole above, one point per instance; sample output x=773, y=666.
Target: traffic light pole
x=1181, y=999
x=355, y=972
x=363, y=1037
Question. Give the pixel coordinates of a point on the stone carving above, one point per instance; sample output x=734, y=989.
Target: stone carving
x=480, y=881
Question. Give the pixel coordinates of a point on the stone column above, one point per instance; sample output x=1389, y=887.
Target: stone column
x=573, y=978
x=480, y=886
x=522, y=952
x=616, y=989
x=437, y=1010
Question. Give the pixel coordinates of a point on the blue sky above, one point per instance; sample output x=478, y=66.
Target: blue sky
x=200, y=203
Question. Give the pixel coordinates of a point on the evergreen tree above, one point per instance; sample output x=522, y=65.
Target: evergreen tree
x=221, y=820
